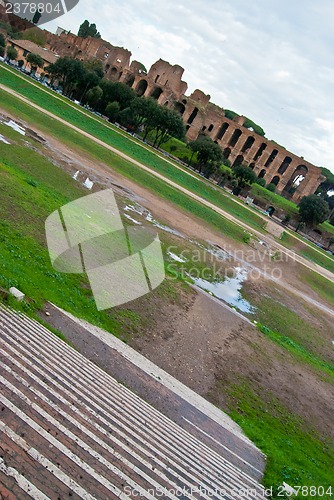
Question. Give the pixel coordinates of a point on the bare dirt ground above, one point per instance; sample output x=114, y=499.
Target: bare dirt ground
x=199, y=341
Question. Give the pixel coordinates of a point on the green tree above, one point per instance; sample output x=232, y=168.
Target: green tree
x=209, y=154
x=2, y=40
x=116, y=91
x=86, y=29
x=36, y=35
x=35, y=61
x=167, y=123
x=112, y=111
x=20, y=63
x=313, y=210
x=2, y=51
x=69, y=72
x=244, y=174
x=271, y=187
x=93, y=96
x=328, y=184
x=11, y=53
x=260, y=181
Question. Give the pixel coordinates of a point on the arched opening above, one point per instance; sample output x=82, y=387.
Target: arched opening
x=166, y=103
x=260, y=151
x=275, y=180
x=262, y=173
x=192, y=116
x=179, y=107
x=204, y=128
x=141, y=88
x=107, y=67
x=271, y=158
x=130, y=80
x=156, y=78
x=235, y=137
x=270, y=211
x=252, y=165
x=238, y=161
x=295, y=180
x=156, y=93
x=222, y=131
x=210, y=128
x=248, y=143
x=226, y=153
x=187, y=127
x=113, y=71
x=284, y=165
x=184, y=101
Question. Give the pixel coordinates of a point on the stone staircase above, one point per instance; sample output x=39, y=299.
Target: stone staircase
x=69, y=429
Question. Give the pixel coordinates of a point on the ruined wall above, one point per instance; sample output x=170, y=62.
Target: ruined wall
x=293, y=176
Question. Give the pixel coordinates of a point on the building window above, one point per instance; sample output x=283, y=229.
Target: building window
x=25, y=53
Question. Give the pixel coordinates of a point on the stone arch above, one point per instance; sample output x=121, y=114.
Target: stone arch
x=156, y=78
x=235, y=137
x=271, y=158
x=192, y=116
x=284, y=165
x=210, y=127
x=275, y=180
x=113, y=71
x=179, y=107
x=252, y=165
x=130, y=80
x=222, y=131
x=248, y=144
x=141, y=87
x=260, y=151
x=156, y=93
x=166, y=103
x=226, y=153
x=262, y=173
x=203, y=128
x=295, y=180
x=238, y=161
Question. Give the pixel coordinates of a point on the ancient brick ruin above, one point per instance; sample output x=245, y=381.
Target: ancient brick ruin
x=293, y=176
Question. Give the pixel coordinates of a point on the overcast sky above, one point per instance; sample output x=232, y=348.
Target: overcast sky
x=270, y=60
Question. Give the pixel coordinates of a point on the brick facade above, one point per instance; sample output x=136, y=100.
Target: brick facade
x=164, y=83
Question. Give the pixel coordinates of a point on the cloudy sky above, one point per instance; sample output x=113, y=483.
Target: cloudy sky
x=272, y=61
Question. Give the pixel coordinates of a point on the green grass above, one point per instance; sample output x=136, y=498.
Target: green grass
x=277, y=317
x=297, y=350
x=308, y=250
x=323, y=286
x=296, y=453
x=134, y=150
x=277, y=201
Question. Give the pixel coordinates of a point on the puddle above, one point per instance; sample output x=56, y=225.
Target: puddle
x=131, y=219
x=228, y=290
x=2, y=139
x=176, y=257
x=15, y=126
x=149, y=217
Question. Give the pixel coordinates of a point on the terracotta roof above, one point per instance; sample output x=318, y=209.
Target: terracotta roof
x=47, y=55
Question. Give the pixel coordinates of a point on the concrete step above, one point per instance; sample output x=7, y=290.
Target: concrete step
x=90, y=436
